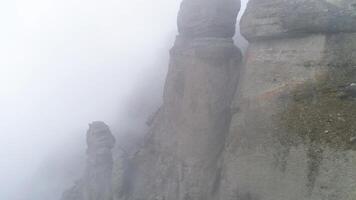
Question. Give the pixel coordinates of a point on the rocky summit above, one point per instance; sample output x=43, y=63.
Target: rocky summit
x=208, y=18
x=276, y=125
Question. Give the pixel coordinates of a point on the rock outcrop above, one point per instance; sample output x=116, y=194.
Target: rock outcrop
x=290, y=138
x=208, y=18
x=278, y=127
x=96, y=183
x=285, y=18
x=180, y=158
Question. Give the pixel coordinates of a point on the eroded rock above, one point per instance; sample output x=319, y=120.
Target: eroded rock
x=284, y=18
x=208, y=18
x=180, y=158
x=291, y=137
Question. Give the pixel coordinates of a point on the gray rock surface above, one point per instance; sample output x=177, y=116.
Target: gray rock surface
x=179, y=160
x=208, y=18
x=96, y=184
x=282, y=18
x=74, y=193
x=290, y=138
x=98, y=176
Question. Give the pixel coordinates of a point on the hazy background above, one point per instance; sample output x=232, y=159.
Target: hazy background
x=64, y=64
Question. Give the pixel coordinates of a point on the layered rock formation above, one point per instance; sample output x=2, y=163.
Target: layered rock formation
x=291, y=137
x=285, y=18
x=96, y=183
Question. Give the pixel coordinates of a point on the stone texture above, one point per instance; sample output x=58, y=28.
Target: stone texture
x=179, y=160
x=181, y=154
x=255, y=163
x=208, y=18
x=283, y=18
x=290, y=136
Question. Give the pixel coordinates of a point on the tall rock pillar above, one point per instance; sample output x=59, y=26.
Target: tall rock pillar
x=202, y=78
x=96, y=183
x=98, y=175
x=180, y=160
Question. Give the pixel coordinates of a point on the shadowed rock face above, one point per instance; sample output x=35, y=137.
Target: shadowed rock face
x=282, y=18
x=208, y=18
x=100, y=141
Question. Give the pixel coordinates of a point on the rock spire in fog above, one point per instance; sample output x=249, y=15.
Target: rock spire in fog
x=98, y=173
x=180, y=158
x=97, y=181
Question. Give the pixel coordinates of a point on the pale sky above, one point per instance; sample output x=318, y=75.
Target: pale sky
x=65, y=63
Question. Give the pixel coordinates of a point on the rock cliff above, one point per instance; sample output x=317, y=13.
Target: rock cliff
x=277, y=127
x=292, y=135
x=181, y=155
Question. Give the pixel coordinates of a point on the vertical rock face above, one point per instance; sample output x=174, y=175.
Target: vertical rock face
x=96, y=183
x=180, y=158
x=292, y=135
x=208, y=18
x=98, y=174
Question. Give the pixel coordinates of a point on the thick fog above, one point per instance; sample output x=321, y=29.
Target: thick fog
x=64, y=64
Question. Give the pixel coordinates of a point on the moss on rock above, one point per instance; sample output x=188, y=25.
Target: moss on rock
x=321, y=113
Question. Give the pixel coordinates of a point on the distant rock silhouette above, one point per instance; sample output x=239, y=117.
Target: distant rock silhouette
x=97, y=181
